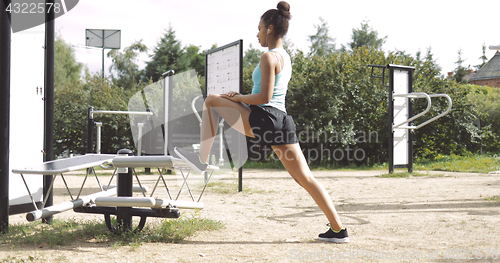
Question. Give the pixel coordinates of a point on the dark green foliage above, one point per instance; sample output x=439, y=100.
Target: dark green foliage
x=125, y=72
x=169, y=54
x=486, y=100
x=366, y=36
x=338, y=107
x=166, y=53
x=71, y=103
x=321, y=42
x=66, y=69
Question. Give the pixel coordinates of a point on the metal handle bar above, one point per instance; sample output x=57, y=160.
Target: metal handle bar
x=440, y=115
x=415, y=95
x=379, y=77
x=196, y=112
x=450, y=103
x=123, y=112
x=194, y=107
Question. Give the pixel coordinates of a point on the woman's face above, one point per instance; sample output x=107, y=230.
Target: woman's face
x=262, y=35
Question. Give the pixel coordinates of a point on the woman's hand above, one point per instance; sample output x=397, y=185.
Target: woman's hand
x=232, y=95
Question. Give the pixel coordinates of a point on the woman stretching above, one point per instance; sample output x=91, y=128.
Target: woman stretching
x=262, y=115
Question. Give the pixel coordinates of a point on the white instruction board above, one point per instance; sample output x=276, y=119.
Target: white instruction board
x=224, y=68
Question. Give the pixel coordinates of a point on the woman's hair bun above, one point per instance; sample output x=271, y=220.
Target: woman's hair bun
x=284, y=9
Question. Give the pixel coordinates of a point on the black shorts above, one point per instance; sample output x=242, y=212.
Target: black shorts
x=272, y=126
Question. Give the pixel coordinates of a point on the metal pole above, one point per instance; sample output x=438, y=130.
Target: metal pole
x=49, y=102
x=221, y=142
x=124, y=185
x=98, y=145
x=59, y=208
x=90, y=130
x=103, y=54
x=166, y=102
x=5, y=36
x=139, y=143
x=167, y=97
x=148, y=169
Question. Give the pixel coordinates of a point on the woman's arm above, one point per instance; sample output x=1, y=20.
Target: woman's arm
x=268, y=69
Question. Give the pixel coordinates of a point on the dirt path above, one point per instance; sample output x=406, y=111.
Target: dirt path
x=431, y=219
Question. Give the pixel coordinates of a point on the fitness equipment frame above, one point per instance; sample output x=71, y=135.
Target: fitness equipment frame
x=124, y=205
x=91, y=123
x=400, y=124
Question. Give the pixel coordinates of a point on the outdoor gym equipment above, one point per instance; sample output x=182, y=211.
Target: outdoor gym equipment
x=401, y=113
x=123, y=205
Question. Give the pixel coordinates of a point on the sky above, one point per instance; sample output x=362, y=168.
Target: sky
x=411, y=26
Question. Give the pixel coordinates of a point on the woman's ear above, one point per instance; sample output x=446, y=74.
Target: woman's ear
x=270, y=29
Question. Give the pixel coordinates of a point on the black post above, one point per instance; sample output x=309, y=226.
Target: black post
x=49, y=102
x=90, y=130
x=391, y=120
x=410, y=114
x=240, y=136
x=124, y=185
x=5, y=35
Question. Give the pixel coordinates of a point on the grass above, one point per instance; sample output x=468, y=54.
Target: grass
x=407, y=175
x=319, y=167
x=455, y=163
x=450, y=163
x=63, y=233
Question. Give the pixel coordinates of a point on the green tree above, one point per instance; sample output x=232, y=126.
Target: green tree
x=460, y=71
x=251, y=59
x=486, y=98
x=366, y=36
x=166, y=54
x=321, y=42
x=170, y=54
x=72, y=97
x=71, y=103
x=66, y=69
x=124, y=71
x=483, y=58
x=192, y=58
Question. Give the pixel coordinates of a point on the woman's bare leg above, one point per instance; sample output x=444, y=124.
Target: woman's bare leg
x=295, y=163
x=234, y=113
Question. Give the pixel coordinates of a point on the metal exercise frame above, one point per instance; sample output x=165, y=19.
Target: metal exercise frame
x=124, y=205
x=91, y=123
x=401, y=112
x=221, y=130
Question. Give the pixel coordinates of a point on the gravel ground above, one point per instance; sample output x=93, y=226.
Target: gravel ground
x=438, y=217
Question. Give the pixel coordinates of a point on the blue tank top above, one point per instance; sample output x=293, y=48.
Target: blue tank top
x=280, y=83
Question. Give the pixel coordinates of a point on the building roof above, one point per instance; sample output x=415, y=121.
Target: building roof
x=490, y=70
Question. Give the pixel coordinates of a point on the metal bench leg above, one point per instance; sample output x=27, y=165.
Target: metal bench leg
x=206, y=184
x=185, y=183
x=29, y=193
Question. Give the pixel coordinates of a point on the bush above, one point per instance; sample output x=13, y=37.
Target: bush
x=341, y=112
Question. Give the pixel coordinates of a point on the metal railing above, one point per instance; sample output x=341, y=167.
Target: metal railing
x=417, y=95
